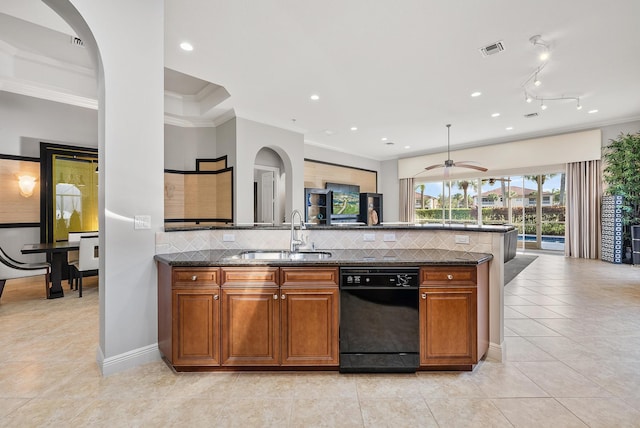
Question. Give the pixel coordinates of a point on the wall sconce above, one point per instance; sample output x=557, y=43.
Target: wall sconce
x=26, y=183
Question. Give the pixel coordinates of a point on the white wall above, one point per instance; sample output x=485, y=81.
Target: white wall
x=25, y=121
x=612, y=132
x=131, y=147
x=390, y=190
x=183, y=145
x=251, y=137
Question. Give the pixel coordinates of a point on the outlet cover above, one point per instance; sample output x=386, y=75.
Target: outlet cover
x=462, y=239
x=369, y=237
x=389, y=237
x=142, y=222
x=228, y=237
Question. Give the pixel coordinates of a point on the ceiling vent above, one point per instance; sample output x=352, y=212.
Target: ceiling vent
x=530, y=115
x=492, y=49
x=77, y=41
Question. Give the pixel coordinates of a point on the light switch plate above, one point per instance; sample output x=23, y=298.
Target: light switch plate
x=389, y=237
x=228, y=237
x=142, y=222
x=462, y=239
x=369, y=237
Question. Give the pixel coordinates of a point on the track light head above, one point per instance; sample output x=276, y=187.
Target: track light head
x=543, y=106
x=537, y=81
x=527, y=98
x=578, y=106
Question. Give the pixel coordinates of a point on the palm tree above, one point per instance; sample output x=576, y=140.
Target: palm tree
x=420, y=187
x=464, y=185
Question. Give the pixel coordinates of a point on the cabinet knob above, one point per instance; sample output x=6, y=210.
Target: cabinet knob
x=216, y=297
x=284, y=296
x=424, y=296
x=275, y=297
x=194, y=278
x=449, y=277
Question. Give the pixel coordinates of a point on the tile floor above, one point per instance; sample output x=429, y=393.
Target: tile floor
x=572, y=329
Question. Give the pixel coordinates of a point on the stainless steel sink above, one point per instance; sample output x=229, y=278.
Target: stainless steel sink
x=283, y=255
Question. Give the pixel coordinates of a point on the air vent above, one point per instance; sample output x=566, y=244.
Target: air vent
x=531, y=115
x=77, y=41
x=492, y=49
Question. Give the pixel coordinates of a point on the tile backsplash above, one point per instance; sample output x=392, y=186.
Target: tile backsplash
x=323, y=239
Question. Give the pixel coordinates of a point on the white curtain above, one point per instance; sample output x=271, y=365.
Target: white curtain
x=407, y=200
x=582, y=226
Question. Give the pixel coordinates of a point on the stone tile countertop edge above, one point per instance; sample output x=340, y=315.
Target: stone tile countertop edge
x=351, y=257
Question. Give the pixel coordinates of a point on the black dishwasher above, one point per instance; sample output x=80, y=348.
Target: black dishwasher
x=379, y=320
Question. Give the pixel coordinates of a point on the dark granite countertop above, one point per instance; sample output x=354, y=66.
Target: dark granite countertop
x=353, y=257
x=500, y=228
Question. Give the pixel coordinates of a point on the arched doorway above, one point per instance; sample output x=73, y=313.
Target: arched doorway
x=269, y=177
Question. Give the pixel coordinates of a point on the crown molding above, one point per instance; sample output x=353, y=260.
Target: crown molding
x=49, y=93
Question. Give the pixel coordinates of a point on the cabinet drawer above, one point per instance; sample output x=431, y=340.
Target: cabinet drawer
x=196, y=276
x=254, y=276
x=310, y=277
x=448, y=275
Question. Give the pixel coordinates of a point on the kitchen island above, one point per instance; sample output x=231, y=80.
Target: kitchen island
x=220, y=311
x=199, y=245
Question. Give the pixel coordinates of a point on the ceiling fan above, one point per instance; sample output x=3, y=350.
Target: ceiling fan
x=449, y=163
x=492, y=181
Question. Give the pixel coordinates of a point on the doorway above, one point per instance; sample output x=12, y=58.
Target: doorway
x=267, y=183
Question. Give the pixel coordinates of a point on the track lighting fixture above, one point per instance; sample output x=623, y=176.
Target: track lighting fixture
x=537, y=41
x=532, y=82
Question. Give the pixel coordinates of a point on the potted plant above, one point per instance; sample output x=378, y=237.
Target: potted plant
x=622, y=176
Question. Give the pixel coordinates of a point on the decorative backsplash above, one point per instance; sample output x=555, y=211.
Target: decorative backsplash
x=324, y=239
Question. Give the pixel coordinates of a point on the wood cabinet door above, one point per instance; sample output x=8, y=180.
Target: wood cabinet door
x=196, y=327
x=309, y=326
x=448, y=333
x=250, y=326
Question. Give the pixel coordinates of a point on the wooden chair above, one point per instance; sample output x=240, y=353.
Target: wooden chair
x=12, y=269
x=88, y=260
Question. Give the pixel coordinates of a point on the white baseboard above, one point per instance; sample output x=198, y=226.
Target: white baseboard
x=497, y=352
x=127, y=360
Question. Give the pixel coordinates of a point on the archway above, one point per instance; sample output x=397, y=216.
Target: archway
x=269, y=177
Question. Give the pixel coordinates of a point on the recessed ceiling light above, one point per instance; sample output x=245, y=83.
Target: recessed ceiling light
x=407, y=147
x=509, y=128
x=315, y=97
x=495, y=115
x=186, y=46
x=328, y=132
x=354, y=128
x=593, y=111
x=384, y=138
x=476, y=94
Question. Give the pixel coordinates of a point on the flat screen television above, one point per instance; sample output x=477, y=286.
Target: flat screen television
x=346, y=200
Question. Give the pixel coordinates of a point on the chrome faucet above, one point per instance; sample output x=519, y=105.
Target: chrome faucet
x=296, y=239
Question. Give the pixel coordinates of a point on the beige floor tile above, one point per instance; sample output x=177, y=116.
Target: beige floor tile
x=559, y=380
x=8, y=405
x=255, y=412
x=326, y=412
x=529, y=327
x=406, y=412
x=603, y=412
x=466, y=412
x=449, y=385
x=510, y=313
x=325, y=384
x=520, y=349
x=388, y=386
x=263, y=385
x=537, y=412
x=563, y=348
x=537, y=312
x=498, y=380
